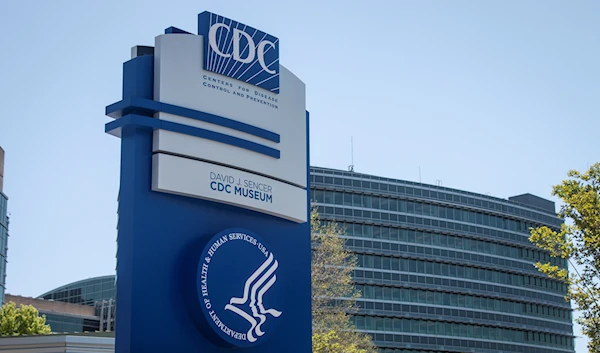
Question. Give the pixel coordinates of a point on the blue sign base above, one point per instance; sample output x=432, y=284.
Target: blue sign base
x=161, y=238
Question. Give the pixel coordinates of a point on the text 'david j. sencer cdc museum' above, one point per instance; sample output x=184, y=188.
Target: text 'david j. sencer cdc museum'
x=213, y=200
x=213, y=231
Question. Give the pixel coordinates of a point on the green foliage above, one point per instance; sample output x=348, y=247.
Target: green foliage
x=333, y=292
x=22, y=320
x=578, y=241
x=332, y=342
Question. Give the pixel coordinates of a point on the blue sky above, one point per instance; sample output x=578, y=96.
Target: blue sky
x=496, y=97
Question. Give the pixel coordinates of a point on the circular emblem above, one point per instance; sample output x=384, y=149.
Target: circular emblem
x=238, y=288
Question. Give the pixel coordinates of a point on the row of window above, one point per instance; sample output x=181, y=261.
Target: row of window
x=419, y=208
x=90, y=299
x=84, y=293
x=464, y=316
x=457, y=271
x=439, y=283
x=402, y=350
x=340, y=213
x=434, y=254
x=433, y=344
x=440, y=328
x=391, y=350
x=60, y=324
x=432, y=194
x=3, y=240
x=3, y=251
x=3, y=211
x=438, y=313
x=2, y=271
x=410, y=295
x=447, y=241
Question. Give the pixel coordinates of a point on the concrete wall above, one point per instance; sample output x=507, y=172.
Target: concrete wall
x=57, y=344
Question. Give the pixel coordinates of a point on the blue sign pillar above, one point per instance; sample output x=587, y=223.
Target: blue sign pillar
x=212, y=256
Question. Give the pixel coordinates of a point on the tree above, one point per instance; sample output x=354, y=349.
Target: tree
x=22, y=320
x=579, y=242
x=333, y=292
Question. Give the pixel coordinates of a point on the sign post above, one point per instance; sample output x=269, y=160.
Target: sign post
x=213, y=232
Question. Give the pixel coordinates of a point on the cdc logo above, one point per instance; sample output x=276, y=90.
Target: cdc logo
x=239, y=51
x=238, y=288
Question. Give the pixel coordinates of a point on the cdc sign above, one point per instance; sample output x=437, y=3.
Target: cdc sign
x=239, y=51
x=213, y=233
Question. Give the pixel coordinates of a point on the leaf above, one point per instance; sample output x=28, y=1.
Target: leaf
x=578, y=241
x=333, y=292
x=22, y=320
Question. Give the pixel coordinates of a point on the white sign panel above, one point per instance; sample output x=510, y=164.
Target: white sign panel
x=227, y=185
x=263, y=132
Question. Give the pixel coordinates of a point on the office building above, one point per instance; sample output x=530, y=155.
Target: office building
x=440, y=269
x=86, y=292
x=82, y=306
x=95, y=295
x=445, y=270
x=4, y=220
x=62, y=317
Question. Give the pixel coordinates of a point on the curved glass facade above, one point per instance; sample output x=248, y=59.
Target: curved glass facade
x=444, y=270
x=86, y=292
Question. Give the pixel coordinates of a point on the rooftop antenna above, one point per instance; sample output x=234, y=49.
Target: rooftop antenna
x=419, y=174
x=439, y=182
x=351, y=166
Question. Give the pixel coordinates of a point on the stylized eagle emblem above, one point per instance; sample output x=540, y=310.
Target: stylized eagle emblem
x=254, y=289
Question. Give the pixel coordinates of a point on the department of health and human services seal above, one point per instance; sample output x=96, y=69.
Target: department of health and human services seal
x=238, y=288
